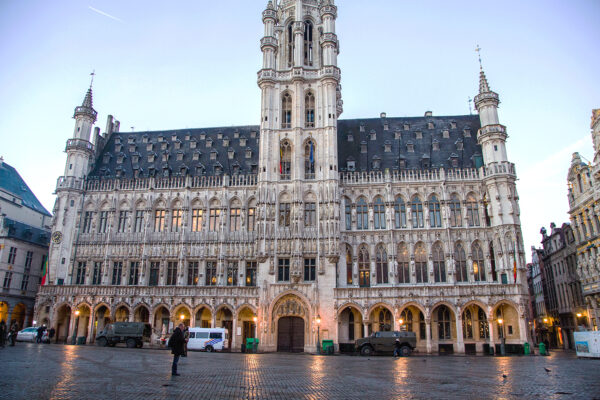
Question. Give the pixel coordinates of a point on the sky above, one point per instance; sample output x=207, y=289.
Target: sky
x=193, y=63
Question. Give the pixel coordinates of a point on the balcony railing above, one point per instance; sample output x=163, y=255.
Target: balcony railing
x=179, y=182
x=240, y=292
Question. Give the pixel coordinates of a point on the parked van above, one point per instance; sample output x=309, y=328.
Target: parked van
x=208, y=339
x=133, y=334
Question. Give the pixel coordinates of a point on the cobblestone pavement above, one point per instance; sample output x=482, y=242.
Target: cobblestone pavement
x=85, y=372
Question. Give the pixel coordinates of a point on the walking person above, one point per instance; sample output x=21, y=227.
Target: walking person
x=176, y=343
x=2, y=333
x=40, y=334
x=397, y=347
x=12, y=334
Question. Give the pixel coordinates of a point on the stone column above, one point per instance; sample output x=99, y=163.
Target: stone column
x=71, y=328
x=460, y=343
x=234, y=334
x=428, y=334
x=90, y=335
x=523, y=328
x=365, y=329
x=491, y=326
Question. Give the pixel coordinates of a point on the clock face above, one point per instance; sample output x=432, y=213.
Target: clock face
x=57, y=237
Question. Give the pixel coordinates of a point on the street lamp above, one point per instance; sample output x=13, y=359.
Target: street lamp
x=400, y=322
x=502, y=338
x=255, y=319
x=318, y=334
x=74, y=339
x=579, y=315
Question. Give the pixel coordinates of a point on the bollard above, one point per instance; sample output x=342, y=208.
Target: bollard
x=543, y=349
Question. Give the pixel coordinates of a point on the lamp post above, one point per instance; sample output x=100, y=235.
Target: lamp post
x=74, y=339
x=502, y=338
x=318, y=334
x=400, y=322
x=255, y=319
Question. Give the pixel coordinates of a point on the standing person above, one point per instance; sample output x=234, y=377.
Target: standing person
x=2, y=333
x=186, y=336
x=51, y=332
x=176, y=343
x=40, y=333
x=397, y=348
x=14, y=328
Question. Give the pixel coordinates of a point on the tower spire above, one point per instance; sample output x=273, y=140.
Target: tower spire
x=484, y=86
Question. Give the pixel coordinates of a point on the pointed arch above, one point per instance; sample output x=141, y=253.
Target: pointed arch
x=309, y=109
x=421, y=269
x=416, y=208
x=309, y=159
x=308, y=43
x=460, y=262
x=379, y=213
x=364, y=267
x=439, y=263
x=285, y=160
x=286, y=110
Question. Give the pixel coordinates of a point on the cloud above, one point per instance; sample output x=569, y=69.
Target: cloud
x=105, y=14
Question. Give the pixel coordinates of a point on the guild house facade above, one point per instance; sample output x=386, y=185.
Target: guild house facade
x=301, y=228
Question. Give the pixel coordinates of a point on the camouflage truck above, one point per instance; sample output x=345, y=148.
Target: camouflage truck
x=133, y=334
x=383, y=343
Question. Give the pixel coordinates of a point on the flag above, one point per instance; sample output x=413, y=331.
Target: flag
x=45, y=272
x=515, y=264
x=280, y=159
x=312, y=157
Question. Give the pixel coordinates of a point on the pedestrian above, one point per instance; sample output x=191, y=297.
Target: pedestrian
x=51, y=333
x=186, y=336
x=2, y=333
x=177, y=345
x=12, y=335
x=40, y=333
x=397, y=347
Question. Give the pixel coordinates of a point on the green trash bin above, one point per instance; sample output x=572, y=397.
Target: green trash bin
x=249, y=345
x=543, y=349
x=526, y=348
x=327, y=347
x=255, y=345
x=81, y=340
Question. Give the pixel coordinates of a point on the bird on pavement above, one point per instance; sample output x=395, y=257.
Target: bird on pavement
x=547, y=369
x=504, y=376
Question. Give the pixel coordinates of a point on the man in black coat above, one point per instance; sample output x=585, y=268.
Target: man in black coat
x=177, y=343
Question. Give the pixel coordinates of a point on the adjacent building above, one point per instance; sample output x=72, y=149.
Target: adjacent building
x=303, y=227
x=24, y=238
x=584, y=202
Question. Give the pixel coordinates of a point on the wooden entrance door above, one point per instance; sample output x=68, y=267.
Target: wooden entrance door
x=290, y=334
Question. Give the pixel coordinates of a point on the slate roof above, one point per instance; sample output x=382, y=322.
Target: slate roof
x=234, y=150
x=21, y=231
x=11, y=182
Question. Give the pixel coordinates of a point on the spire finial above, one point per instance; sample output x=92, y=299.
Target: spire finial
x=478, y=50
x=92, y=80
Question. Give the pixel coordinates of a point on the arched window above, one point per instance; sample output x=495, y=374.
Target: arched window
x=460, y=260
x=290, y=45
x=435, y=217
x=422, y=326
x=362, y=214
x=286, y=111
x=379, y=213
x=468, y=325
x=421, y=263
x=382, y=265
x=385, y=320
x=400, y=213
x=443, y=320
x=439, y=265
x=416, y=209
x=455, y=213
x=364, y=268
x=493, y=262
x=349, y=280
x=472, y=211
x=407, y=319
x=348, y=214
x=484, y=327
x=309, y=105
x=478, y=265
x=403, y=264
x=285, y=162
x=308, y=43
x=309, y=160
x=351, y=325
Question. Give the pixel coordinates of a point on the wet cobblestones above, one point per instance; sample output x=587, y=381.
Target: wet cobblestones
x=30, y=371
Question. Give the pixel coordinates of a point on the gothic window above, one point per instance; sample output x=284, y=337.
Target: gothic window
x=379, y=213
x=232, y=273
x=308, y=43
x=309, y=160
x=460, y=261
x=193, y=273
x=159, y=220
x=362, y=214
x=286, y=109
x=472, y=211
x=349, y=277
x=235, y=214
x=478, y=265
x=284, y=214
x=455, y=212
x=117, y=272
x=439, y=265
x=283, y=269
x=154, y=273
x=381, y=265
x=493, y=262
x=285, y=161
x=176, y=220
x=310, y=267
x=172, y=273
x=468, y=325
x=197, y=214
x=123, y=215
x=421, y=263
x=211, y=273
x=139, y=221
x=435, y=217
x=251, y=218
x=134, y=273
x=443, y=321
x=403, y=264
x=290, y=45
x=87, y=221
x=310, y=214
x=364, y=267
x=214, y=219
x=309, y=105
x=348, y=214
x=399, y=213
x=97, y=274
x=103, y=222
x=484, y=327
x=385, y=320
x=250, y=273
x=417, y=213
x=80, y=276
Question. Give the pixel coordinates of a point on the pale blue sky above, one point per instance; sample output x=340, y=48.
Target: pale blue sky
x=193, y=63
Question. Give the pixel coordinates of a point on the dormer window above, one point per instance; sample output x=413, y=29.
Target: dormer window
x=376, y=163
x=350, y=137
x=166, y=172
x=151, y=172
x=131, y=140
x=213, y=155
x=446, y=134
x=386, y=126
x=418, y=135
x=187, y=137
x=202, y=136
x=117, y=140
x=362, y=127
x=226, y=142
x=248, y=153
x=452, y=124
x=183, y=170
x=430, y=125
x=407, y=127
x=173, y=137
x=200, y=170
x=459, y=145
x=209, y=142
x=118, y=147
x=177, y=145
x=132, y=148
x=196, y=156
x=220, y=135
x=149, y=147
x=230, y=154
x=398, y=135
x=180, y=156
x=435, y=145
x=151, y=158
x=453, y=160
x=235, y=170
x=193, y=144
x=164, y=146
x=161, y=139
x=401, y=163
x=351, y=165
x=106, y=158
x=165, y=157
x=410, y=147
x=373, y=135
x=135, y=158
x=145, y=139
x=253, y=134
x=218, y=169
x=243, y=141
x=387, y=147
x=467, y=132
x=363, y=147
x=236, y=134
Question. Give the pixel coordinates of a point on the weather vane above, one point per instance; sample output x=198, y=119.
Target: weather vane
x=478, y=50
x=470, y=110
x=92, y=75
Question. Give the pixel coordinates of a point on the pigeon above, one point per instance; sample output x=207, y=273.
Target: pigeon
x=504, y=376
x=547, y=369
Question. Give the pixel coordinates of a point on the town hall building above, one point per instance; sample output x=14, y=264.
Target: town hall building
x=302, y=228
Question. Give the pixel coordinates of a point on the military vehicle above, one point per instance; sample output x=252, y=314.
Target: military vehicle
x=384, y=342
x=133, y=334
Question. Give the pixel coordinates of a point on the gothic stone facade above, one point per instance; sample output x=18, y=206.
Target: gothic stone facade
x=305, y=227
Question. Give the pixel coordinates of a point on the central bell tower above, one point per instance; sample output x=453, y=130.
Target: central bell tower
x=298, y=190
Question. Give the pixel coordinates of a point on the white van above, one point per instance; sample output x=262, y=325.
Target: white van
x=208, y=339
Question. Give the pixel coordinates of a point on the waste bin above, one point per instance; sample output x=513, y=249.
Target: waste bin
x=81, y=340
x=526, y=348
x=543, y=349
x=249, y=345
x=327, y=347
